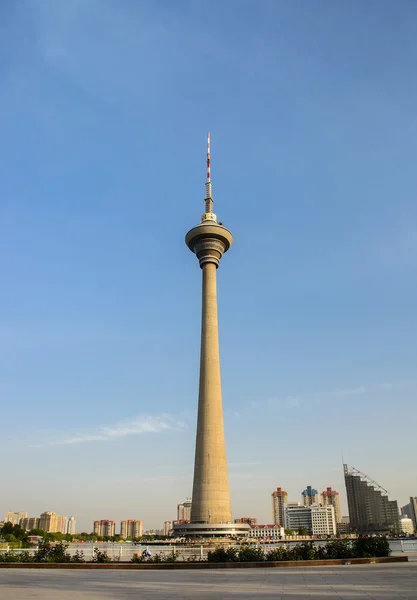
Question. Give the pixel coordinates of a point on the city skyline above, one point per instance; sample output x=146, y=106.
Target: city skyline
x=103, y=129
x=280, y=502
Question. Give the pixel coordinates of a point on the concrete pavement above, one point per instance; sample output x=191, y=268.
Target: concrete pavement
x=370, y=582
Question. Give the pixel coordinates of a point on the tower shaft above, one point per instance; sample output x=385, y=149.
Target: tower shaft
x=211, y=499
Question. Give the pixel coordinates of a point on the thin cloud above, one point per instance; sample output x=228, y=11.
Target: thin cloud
x=286, y=402
x=349, y=392
x=358, y=391
x=296, y=401
x=136, y=426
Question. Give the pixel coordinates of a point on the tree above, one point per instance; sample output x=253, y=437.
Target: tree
x=303, y=531
x=7, y=529
x=39, y=532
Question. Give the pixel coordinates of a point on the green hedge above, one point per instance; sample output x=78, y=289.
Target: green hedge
x=363, y=547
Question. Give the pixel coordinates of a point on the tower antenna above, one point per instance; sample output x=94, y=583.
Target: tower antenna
x=208, y=215
x=208, y=157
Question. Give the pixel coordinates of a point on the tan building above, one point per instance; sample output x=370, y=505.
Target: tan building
x=309, y=496
x=330, y=497
x=104, y=528
x=130, y=530
x=53, y=523
x=279, y=504
x=30, y=523
x=14, y=517
x=184, y=511
x=167, y=528
x=252, y=521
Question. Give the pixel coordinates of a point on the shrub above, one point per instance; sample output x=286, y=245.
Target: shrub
x=14, y=557
x=220, y=555
x=279, y=553
x=338, y=549
x=171, y=557
x=192, y=558
x=369, y=547
x=248, y=554
x=304, y=551
x=52, y=553
x=100, y=557
x=138, y=558
x=78, y=557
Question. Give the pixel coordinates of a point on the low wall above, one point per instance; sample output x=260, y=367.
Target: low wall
x=207, y=565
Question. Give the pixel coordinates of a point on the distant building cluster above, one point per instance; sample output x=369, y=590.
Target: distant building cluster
x=317, y=514
x=129, y=529
x=317, y=517
x=48, y=521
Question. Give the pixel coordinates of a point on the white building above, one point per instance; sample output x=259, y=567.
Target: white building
x=71, y=525
x=318, y=520
x=406, y=525
x=323, y=520
x=14, y=517
x=266, y=532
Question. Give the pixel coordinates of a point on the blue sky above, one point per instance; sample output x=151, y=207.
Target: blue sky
x=104, y=109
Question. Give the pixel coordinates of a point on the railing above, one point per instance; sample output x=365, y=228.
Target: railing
x=124, y=552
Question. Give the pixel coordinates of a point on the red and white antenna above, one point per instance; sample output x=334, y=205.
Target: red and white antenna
x=208, y=215
x=208, y=157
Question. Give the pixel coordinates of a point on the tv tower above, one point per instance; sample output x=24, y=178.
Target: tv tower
x=211, y=515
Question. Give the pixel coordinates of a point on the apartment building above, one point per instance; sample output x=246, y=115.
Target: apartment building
x=104, y=528
x=131, y=529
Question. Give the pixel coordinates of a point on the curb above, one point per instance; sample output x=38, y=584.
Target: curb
x=207, y=565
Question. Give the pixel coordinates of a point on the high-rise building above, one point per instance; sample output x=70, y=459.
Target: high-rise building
x=71, y=526
x=167, y=527
x=210, y=513
x=14, y=517
x=370, y=510
x=410, y=510
x=29, y=523
x=52, y=523
x=309, y=496
x=184, y=511
x=330, y=497
x=317, y=520
x=405, y=511
x=279, y=504
x=130, y=530
x=104, y=528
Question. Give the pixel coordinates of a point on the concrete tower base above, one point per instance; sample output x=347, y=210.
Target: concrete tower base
x=211, y=530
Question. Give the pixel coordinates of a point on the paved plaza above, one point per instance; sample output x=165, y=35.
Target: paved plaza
x=374, y=582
